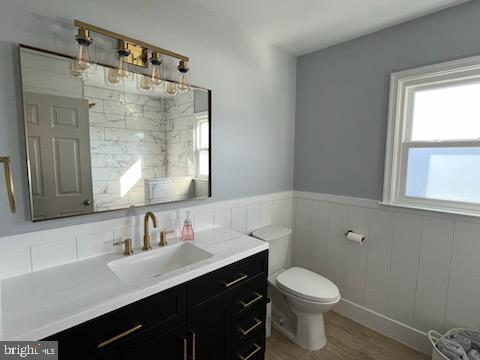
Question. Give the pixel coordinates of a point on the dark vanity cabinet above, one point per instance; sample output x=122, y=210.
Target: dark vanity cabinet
x=226, y=311
x=218, y=316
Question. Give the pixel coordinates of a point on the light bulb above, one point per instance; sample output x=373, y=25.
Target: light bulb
x=172, y=88
x=146, y=83
x=122, y=68
x=156, y=61
x=121, y=55
x=156, y=75
x=183, y=82
x=114, y=77
x=75, y=70
x=183, y=76
x=83, y=57
x=81, y=63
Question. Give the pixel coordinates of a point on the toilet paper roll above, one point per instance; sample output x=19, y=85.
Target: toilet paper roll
x=355, y=237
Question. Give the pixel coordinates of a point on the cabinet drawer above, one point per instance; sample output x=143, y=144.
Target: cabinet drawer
x=249, y=325
x=250, y=294
x=107, y=332
x=254, y=349
x=230, y=277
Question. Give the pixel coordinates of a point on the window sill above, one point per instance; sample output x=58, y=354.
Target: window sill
x=470, y=213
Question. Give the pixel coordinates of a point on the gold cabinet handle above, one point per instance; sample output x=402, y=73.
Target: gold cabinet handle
x=185, y=349
x=194, y=346
x=251, y=302
x=236, y=281
x=246, y=357
x=9, y=180
x=249, y=330
x=119, y=336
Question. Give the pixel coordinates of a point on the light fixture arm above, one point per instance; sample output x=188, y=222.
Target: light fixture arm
x=127, y=39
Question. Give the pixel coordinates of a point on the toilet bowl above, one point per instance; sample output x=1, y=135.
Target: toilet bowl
x=309, y=296
x=305, y=294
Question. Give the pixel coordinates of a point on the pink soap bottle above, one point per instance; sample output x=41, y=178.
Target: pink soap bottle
x=187, y=231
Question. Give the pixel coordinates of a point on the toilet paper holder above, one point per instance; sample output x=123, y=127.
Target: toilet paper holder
x=355, y=237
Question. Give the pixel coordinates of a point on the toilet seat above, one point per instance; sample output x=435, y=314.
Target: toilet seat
x=308, y=285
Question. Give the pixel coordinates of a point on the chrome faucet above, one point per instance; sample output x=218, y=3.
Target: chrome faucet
x=146, y=231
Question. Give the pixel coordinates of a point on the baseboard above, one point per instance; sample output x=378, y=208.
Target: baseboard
x=386, y=326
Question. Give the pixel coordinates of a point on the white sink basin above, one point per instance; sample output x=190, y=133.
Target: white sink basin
x=154, y=263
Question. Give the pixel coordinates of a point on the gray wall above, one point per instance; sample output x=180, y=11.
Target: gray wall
x=253, y=87
x=342, y=96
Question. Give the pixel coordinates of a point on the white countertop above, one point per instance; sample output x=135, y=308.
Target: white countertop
x=39, y=304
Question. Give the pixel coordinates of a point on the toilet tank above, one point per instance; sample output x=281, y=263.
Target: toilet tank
x=278, y=238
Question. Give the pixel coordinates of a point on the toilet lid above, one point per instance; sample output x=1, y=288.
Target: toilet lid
x=308, y=285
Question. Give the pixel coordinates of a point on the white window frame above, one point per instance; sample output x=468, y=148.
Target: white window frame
x=200, y=118
x=402, y=86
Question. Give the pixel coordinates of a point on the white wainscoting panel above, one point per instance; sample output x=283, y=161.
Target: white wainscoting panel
x=239, y=219
x=356, y=257
x=463, y=300
x=266, y=213
x=404, y=267
x=253, y=217
x=379, y=244
x=282, y=212
x=53, y=253
x=418, y=270
x=303, y=224
x=336, y=245
x=94, y=244
x=223, y=218
x=318, y=253
x=204, y=220
x=433, y=271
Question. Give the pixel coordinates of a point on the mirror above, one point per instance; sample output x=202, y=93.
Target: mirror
x=93, y=146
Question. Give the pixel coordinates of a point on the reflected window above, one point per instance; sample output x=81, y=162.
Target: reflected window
x=202, y=146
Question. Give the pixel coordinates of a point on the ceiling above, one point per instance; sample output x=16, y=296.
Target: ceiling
x=304, y=26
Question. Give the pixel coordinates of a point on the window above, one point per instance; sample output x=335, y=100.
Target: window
x=202, y=146
x=433, y=141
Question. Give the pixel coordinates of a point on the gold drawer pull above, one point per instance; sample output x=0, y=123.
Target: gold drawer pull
x=251, y=302
x=9, y=181
x=256, y=325
x=257, y=349
x=185, y=349
x=194, y=346
x=236, y=281
x=119, y=336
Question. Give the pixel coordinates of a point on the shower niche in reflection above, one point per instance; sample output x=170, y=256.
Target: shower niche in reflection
x=93, y=146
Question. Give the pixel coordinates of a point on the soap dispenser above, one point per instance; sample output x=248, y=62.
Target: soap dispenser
x=187, y=231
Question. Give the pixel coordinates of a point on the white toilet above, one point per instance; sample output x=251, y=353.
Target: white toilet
x=299, y=296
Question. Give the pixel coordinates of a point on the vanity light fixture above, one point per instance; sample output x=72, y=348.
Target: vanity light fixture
x=131, y=52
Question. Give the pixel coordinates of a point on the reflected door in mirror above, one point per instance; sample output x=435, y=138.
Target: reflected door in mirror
x=59, y=155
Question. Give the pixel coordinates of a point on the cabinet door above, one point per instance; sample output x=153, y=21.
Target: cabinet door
x=209, y=327
x=169, y=345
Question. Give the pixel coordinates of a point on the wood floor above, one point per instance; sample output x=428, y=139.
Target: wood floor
x=347, y=340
